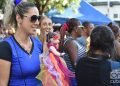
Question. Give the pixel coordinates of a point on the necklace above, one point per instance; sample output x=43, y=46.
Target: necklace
x=25, y=45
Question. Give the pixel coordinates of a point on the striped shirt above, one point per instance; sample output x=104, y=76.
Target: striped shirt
x=81, y=53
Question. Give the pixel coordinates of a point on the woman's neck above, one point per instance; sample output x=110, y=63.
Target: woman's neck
x=21, y=37
x=99, y=52
x=43, y=37
x=85, y=36
x=73, y=36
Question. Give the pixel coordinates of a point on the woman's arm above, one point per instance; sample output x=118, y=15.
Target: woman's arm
x=5, y=63
x=71, y=49
x=4, y=72
x=53, y=50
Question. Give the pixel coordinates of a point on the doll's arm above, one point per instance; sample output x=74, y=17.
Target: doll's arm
x=54, y=51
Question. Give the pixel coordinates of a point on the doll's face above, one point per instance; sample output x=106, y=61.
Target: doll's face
x=56, y=41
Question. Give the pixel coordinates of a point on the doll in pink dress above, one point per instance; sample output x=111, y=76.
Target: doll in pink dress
x=54, y=71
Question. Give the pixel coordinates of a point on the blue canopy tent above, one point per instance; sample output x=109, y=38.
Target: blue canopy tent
x=61, y=18
x=86, y=12
x=92, y=14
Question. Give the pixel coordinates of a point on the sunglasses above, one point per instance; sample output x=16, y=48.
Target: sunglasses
x=34, y=18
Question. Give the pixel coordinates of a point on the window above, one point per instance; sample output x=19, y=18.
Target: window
x=115, y=15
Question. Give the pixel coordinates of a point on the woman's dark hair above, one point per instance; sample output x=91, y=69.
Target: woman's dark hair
x=12, y=10
x=72, y=23
x=86, y=23
x=102, y=39
x=115, y=29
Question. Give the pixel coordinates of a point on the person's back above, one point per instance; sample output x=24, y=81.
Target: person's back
x=96, y=69
x=93, y=72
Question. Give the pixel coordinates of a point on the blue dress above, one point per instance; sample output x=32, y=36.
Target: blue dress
x=24, y=66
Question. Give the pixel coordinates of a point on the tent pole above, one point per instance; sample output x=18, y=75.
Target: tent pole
x=108, y=8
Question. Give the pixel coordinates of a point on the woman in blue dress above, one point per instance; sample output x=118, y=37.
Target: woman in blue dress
x=19, y=53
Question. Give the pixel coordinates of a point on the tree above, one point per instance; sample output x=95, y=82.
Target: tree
x=2, y=4
x=46, y=5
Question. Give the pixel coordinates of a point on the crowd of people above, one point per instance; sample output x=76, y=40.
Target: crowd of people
x=73, y=54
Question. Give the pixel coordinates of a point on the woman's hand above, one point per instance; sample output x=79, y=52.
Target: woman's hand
x=62, y=54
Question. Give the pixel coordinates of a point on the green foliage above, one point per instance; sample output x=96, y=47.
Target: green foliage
x=2, y=4
x=45, y=5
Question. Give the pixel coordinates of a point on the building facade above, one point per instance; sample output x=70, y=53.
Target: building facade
x=109, y=8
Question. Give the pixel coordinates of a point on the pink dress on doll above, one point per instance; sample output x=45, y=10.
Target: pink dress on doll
x=54, y=71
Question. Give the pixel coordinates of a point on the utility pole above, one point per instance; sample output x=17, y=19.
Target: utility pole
x=108, y=8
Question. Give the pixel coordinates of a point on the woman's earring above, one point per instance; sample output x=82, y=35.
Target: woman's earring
x=19, y=23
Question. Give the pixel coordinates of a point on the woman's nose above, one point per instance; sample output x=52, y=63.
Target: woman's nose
x=37, y=22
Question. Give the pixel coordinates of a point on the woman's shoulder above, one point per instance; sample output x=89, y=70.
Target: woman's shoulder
x=4, y=44
x=68, y=41
x=37, y=43
x=36, y=39
x=5, y=51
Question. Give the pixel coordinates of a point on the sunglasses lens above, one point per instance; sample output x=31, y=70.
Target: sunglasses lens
x=39, y=17
x=34, y=18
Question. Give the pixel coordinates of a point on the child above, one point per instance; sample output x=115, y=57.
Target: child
x=54, y=71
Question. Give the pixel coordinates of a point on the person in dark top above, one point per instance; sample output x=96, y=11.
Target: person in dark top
x=19, y=53
x=95, y=68
x=116, y=30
